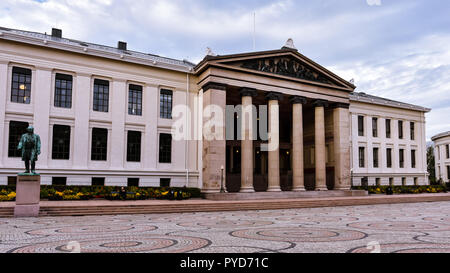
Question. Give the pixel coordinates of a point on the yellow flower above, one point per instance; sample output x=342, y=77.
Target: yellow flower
x=12, y=195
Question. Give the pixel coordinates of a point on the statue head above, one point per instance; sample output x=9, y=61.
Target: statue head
x=30, y=129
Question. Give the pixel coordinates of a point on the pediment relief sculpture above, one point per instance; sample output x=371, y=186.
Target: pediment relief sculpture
x=286, y=66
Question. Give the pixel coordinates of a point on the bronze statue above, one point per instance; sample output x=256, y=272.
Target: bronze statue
x=30, y=144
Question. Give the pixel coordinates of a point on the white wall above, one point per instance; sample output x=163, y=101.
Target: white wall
x=370, y=111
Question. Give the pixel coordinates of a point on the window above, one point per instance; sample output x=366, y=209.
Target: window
x=21, y=85
x=361, y=157
x=447, y=150
x=375, y=157
x=400, y=129
x=135, y=100
x=134, y=146
x=388, y=128
x=375, y=127
x=403, y=181
x=165, y=148
x=402, y=158
x=99, y=144
x=448, y=172
x=101, y=95
x=360, y=126
x=164, y=182
x=133, y=182
x=98, y=181
x=166, y=104
x=12, y=181
x=61, y=142
x=16, y=130
x=391, y=181
x=59, y=181
x=413, y=159
x=412, y=130
x=63, y=91
x=389, y=157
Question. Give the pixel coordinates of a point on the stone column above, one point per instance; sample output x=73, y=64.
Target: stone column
x=247, y=139
x=298, y=177
x=320, y=156
x=274, y=142
x=341, y=132
x=214, y=142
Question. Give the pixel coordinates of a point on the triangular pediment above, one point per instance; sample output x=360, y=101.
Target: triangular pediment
x=284, y=64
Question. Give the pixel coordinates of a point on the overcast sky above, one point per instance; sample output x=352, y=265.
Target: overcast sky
x=399, y=49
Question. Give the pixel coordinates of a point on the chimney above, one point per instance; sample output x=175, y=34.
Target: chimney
x=122, y=45
x=56, y=32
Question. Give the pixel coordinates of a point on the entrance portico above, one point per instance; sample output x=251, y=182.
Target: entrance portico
x=307, y=147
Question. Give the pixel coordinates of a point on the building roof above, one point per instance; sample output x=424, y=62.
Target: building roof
x=363, y=97
x=441, y=135
x=49, y=41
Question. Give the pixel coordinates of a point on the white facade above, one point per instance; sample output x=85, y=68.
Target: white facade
x=370, y=107
x=79, y=169
x=442, y=156
x=46, y=57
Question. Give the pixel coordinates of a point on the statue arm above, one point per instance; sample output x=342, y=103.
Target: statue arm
x=38, y=144
x=19, y=147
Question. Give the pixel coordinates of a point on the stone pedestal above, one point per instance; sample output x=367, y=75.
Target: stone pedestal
x=28, y=191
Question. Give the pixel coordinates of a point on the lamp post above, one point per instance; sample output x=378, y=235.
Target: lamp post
x=222, y=190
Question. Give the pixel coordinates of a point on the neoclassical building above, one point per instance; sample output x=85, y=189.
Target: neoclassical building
x=106, y=117
x=442, y=156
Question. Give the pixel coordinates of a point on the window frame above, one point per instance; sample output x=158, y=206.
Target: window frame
x=15, y=91
x=165, y=103
x=376, y=157
x=61, y=151
x=388, y=128
x=12, y=145
x=400, y=129
x=165, y=149
x=134, y=149
x=135, y=97
x=96, y=152
x=374, y=127
x=361, y=125
x=389, y=158
x=361, y=157
x=401, y=158
x=57, y=100
x=105, y=92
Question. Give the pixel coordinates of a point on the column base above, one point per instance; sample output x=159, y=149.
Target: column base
x=247, y=190
x=321, y=189
x=274, y=189
x=299, y=189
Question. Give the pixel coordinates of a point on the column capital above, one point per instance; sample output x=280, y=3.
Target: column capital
x=320, y=103
x=274, y=96
x=297, y=100
x=340, y=105
x=248, y=92
x=214, y=85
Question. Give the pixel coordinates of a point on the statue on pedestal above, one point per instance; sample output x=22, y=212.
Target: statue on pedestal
x=30, y=144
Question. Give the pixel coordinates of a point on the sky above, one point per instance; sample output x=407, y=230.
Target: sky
x=399, y=49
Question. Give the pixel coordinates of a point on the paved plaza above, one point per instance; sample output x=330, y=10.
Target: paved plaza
x=416, y=227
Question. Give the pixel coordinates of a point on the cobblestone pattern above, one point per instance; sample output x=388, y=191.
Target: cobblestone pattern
x=400, y=228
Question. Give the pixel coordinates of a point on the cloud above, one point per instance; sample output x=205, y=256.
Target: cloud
x=398, y=49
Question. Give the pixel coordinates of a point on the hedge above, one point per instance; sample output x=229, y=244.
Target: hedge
x=404, y=189
x=7, y=193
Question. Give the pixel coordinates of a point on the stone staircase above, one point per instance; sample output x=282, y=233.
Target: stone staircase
x=6, y=212
x=214, y=206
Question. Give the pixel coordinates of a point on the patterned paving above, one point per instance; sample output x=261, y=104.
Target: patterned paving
x=399, y=228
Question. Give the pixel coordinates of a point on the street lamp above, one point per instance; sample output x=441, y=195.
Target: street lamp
x=222, y=190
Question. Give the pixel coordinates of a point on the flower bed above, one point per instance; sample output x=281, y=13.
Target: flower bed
x=7, y=195
x=404, y=189
x=74, y=193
